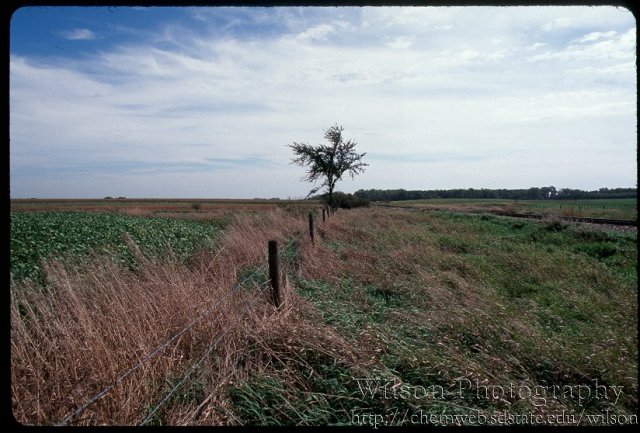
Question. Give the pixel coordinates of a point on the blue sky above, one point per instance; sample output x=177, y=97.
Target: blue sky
x=201, y=102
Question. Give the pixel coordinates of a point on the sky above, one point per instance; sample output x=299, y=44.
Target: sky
x=202, y=102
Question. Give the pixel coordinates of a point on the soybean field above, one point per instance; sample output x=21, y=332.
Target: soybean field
x=49, y=235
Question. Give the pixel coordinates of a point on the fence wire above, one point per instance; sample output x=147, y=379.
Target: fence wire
x=213, y=345
x=153, y=353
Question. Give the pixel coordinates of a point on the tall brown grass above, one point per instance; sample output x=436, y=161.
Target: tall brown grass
x=91, y=323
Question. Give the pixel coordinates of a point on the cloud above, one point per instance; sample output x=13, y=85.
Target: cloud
x=400, y=43
x=217, y=104
x=316, y=33
x=427, y=157
x=79, y=35
x=536, y=46
x=594, y=36
x=558, y=23
x=251, y=161
x=607, y=47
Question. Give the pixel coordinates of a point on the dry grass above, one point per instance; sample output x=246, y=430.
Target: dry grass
x=177, y=208
x=92, y=324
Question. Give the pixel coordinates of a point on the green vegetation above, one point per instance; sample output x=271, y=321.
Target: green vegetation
x=624, y=208
x=41, y=235
x=442, y=302
x=344, y=201
x=534, y=193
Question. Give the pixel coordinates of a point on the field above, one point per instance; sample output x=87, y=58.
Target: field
x=195, y=208
x=623, y=209
x=53, y=234
x=392, y=317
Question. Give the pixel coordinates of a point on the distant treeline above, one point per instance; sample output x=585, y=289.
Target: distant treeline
x=544, y=193
x=343, y=200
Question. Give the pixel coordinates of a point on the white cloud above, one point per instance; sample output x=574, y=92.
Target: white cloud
x=399, y=43
x=79, y=35
x=594, y=36
x=497, y=94
x=616, y=47
x=558, y=23
x=316, y=33
x=536, y=46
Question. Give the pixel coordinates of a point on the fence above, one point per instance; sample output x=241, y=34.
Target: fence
x=277, y=297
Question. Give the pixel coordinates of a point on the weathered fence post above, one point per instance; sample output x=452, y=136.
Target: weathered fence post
x=323, y=211
x=311, y=226
x=274, y=273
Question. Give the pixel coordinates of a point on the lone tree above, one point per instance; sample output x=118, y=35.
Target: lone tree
x=328, y=162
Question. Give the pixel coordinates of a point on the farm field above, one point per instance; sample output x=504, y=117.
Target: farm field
x=391, y=317
x=42, y=235
x=624, y=209
x=197, y=208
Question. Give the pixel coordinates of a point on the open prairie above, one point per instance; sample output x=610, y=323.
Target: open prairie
x=159, y=313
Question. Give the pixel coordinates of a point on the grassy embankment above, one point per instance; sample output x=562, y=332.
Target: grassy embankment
x=452, y=308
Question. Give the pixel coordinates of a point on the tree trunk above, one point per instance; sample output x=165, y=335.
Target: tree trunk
x=331, y=184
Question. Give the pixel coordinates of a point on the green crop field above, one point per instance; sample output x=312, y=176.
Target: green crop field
x=36, y=236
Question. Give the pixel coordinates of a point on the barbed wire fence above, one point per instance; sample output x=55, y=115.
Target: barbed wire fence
x=212, y=346
x=289, y=264
x=155, y=352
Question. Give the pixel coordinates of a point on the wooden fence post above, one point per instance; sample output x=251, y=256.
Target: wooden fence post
x=323, y=211
x=274, y=273
x=311, y=226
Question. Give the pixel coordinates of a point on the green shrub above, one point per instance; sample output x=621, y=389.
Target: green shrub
x=345, y=201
